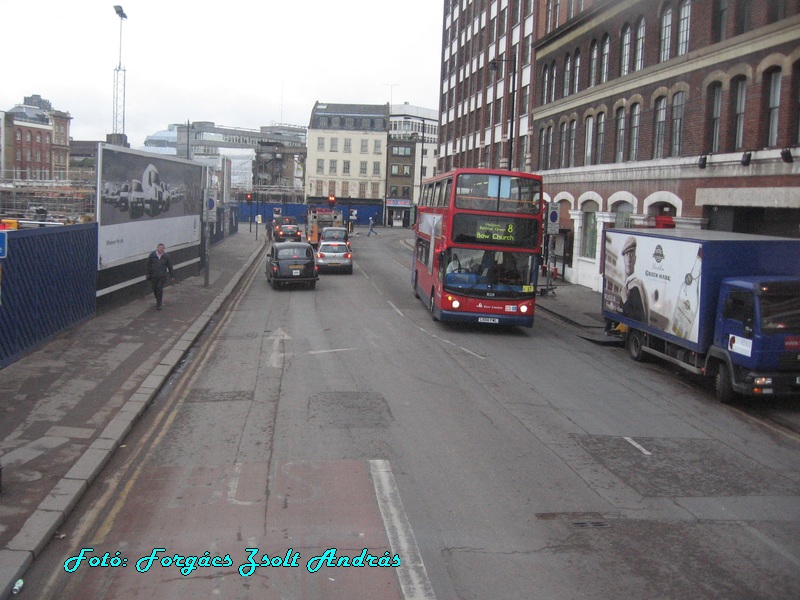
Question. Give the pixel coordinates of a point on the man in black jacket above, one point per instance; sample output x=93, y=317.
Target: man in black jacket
x=158, y=265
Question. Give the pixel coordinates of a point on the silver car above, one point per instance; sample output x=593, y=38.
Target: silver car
x=334, y=256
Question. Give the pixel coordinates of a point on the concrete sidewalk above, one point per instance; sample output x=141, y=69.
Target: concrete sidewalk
x=67, y=406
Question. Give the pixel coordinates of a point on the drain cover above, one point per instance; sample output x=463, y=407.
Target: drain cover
x=590, y=524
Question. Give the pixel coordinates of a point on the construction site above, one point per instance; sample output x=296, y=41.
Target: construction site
x=30, y=203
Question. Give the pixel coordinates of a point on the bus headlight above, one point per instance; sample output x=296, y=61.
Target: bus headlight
x=453, y=302
x=523, y=308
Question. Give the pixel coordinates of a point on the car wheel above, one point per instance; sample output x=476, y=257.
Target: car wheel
x=312, y=285
x=725, y=393
x=636, y=345
x=350, y=271
x=275, y=284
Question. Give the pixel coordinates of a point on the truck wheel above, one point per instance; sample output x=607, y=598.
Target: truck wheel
x=636, y=345
x=725, y=393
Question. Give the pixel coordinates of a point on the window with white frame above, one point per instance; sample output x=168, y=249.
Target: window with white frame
x=362, y=168
x=320, y=166
x=638, y=47
x=601, y=136
x=563, y=136
x=576, y=71
x=665, y=47
x=589, y=234
x=740, y=89
x=334, y=144
x=625, y=55
x=321, y=144
x=332, y=167
x=567, y=75
x=620, y=153
x=572, y=141
x=636, y=114
x=678, y=106
x=345, y=167
x=715, y=98
x=348, y=145
x=594, y=54
x=604, y=57
x=660, y=127
x=588, y=141
x=684, y=18
x=774, y=102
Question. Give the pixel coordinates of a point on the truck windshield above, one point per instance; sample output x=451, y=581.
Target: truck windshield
x=780, y=313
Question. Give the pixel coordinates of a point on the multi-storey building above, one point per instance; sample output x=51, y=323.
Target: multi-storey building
x=411, y=155
x=347, y=152
x=486, y=83
x=637, y=112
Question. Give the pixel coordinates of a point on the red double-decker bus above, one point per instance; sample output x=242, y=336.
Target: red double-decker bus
x=478, y=245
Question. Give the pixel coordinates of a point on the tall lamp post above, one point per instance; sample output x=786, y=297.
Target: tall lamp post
x=119, y=81
x=494, y=66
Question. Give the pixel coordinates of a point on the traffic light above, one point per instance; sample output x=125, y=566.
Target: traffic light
x=331, y=200
x=249, y=199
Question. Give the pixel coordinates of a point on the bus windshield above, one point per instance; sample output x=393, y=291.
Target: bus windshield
x=503, y=193
x=469, y=269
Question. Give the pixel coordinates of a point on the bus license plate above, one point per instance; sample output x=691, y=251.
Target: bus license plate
x=488, y=320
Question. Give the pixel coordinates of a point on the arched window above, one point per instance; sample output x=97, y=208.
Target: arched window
x=638, y=48
x=739, y=91
x=773, y=80
x=660, y=127
x=573, y=127
x=545, y=83
x=665, y=48
x=678, y=106
x=576, y=71
x=636, y=113
x=720, y=23
x=620, y=153
x=744, y=19
x=589, y=141
x=564, y=147
x=604, y=58
x=601, y=136
x=553, y=79
x=625, y=51
x=567, y=76
x=594, y=54
x=715, y=116
x=684, y=17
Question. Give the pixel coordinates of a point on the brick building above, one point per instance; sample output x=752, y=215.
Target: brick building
x=636, y=112
x=674, y=112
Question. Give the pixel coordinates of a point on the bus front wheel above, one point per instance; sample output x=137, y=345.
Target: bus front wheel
x=416, y=293
x=431, y=305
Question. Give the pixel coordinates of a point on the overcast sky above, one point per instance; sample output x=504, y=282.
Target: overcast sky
x=239, y=63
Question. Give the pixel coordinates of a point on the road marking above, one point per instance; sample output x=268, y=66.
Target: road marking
x=311, y=352
x=397, y=310
x=411, y=573
x=637, y=446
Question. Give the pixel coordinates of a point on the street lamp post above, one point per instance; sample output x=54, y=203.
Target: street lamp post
x=119, y=82
x=494, y=66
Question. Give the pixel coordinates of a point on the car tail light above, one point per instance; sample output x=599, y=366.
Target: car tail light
x=348, y=255
x=320, y=255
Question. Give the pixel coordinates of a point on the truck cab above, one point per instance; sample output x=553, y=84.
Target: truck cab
x=756, y=348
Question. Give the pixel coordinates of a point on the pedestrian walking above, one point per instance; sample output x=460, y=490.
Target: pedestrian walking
x=158, y=265
x=371, y=227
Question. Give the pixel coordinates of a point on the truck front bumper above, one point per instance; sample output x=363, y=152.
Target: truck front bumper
x=769, y=384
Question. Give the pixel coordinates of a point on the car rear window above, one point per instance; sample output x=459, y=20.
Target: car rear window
x=333, y=248
x=294, y=253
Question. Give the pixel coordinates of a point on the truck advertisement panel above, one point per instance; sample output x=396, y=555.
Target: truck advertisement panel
x=654, y=281
x=145, y=199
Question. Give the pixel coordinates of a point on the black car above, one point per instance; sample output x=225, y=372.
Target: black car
x=285, y=233
x=279, y=222
x=292, y=262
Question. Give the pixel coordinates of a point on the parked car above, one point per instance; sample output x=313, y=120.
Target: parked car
x=334, y=256
x=287, y=232
x=292, y=262
x=335, y=234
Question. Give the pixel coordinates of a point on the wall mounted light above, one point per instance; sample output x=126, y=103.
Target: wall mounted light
x=701, y=163
x=746, y=158
x=786, y=155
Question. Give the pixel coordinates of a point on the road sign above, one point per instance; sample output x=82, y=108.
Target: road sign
x=553, y=218
x=3, y=244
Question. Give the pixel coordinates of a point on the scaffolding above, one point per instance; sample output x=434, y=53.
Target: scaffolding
x=50, y=201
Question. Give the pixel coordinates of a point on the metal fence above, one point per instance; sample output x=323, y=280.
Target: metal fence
x=47, y=283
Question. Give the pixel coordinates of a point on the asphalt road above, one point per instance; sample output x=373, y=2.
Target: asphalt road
x=495, y=463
